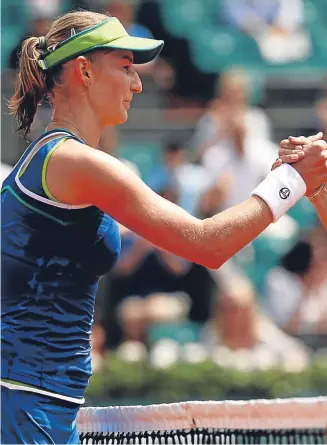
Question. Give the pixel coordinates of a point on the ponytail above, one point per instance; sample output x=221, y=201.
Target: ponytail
x=30, y=85
x=33, y=84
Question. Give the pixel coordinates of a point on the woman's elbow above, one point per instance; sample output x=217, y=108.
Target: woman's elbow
x=214, y=252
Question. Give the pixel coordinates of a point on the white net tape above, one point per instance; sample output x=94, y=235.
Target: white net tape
x=253, y=414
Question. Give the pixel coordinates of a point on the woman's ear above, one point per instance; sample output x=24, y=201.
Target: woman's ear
x=83, y=70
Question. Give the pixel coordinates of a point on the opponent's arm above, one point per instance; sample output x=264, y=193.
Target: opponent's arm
x=91, y=176
x=320, y=203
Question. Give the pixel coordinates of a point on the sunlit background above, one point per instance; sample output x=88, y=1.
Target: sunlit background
x=234, y=78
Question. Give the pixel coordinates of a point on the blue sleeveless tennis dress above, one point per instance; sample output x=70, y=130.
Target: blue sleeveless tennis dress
x=53, y=256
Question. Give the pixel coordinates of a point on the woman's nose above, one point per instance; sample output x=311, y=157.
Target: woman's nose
x=136, y=86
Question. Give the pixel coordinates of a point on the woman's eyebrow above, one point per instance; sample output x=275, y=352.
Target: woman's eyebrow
x=127, y=57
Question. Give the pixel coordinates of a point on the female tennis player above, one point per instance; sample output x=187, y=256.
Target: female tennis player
x=59, y=211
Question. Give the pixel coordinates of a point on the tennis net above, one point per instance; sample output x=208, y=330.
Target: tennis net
x=280, y=421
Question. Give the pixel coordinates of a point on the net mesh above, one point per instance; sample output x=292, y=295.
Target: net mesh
x=280, y=421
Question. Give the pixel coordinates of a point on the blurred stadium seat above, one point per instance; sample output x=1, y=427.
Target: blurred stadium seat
x=215, y=46
x=183, y=17
x=14, y=19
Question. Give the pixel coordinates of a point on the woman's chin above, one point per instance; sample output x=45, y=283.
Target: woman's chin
x=123, y=118
x=118, y=120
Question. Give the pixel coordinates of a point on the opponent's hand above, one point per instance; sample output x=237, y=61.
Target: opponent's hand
x=313, y=167
x=291, y=149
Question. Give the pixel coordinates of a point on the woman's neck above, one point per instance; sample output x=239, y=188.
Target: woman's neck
x=83, y=126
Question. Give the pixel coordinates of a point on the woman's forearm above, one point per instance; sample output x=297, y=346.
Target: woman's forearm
x=234, y=228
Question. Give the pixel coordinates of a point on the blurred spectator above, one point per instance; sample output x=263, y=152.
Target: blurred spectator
x=163, y=174
x=297, y=290
x=239, y=336
x=250, y=16
x=156, y=325
x=132, y=317
x=134, y=251
x=232, y=140
x=170, y=330
x=167, y=307
x=276, y=25
x=213, y=198
x=230, y=113
x=191, y=180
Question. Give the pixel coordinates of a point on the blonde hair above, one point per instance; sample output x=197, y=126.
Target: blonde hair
x=33, y=84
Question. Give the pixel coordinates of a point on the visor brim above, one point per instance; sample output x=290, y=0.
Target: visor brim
x=144, y=50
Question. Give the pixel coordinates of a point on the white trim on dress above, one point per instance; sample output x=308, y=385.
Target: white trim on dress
x=19, y=387
x=34, y=195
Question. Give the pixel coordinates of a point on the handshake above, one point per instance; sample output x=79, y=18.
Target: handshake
x=285, y=185
x=309, y=156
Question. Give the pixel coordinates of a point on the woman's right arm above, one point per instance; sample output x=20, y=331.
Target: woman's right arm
x=91, y=176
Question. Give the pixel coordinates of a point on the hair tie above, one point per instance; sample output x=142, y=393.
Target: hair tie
x=43, y=44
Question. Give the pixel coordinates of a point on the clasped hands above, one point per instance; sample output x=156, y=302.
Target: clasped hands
x=309, y=158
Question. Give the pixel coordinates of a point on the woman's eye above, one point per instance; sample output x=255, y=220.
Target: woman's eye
x=126, y=68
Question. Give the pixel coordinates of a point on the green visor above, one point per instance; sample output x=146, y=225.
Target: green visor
x=107, y=34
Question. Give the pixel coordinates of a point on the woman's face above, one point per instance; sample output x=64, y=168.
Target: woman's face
x=113, y=84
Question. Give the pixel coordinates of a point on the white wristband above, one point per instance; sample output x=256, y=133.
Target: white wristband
x=281, y=189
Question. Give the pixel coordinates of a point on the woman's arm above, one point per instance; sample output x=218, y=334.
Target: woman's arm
x=90, y=176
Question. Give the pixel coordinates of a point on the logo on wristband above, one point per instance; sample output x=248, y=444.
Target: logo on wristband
x=284, y=193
